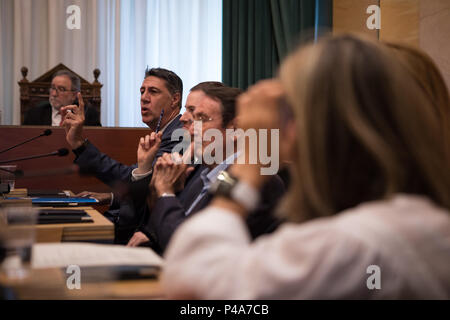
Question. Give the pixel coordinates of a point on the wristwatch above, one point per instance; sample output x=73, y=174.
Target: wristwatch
x=230, y=187
x=81, y=148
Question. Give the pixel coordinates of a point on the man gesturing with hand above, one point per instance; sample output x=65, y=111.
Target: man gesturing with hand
x=73, y=121
x=161, y=96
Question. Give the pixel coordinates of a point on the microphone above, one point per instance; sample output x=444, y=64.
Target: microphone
x=46, y=132
x=60, y=153
x=44, y=173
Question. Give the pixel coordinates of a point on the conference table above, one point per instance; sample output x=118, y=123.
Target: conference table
x=51, y=283
x=100, y=230
x=51, y=173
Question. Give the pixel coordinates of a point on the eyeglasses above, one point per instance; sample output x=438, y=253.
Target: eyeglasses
x=59, y=89
x=202, y=118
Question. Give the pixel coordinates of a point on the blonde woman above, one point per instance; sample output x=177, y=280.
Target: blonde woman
x=369, y=198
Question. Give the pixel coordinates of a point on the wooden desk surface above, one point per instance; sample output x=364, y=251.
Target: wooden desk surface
x=100, y=229
x=49, y=284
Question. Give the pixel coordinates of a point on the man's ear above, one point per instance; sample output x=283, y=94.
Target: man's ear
x=176, y=100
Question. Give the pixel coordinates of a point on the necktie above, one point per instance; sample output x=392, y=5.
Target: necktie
x=203, y=192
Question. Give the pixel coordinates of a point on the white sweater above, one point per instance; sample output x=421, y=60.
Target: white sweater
x=407, y=238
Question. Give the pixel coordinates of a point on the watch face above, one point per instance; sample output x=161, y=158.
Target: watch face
x=225, y=176
x=222, y=176
x=215, y=185
x=223, y=184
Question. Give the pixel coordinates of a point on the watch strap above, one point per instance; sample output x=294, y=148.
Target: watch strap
x=81, y=148
x=246, y=195
x=232, y=188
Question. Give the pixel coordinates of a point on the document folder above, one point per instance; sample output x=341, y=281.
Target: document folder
x=51, y=216
x=70, y=201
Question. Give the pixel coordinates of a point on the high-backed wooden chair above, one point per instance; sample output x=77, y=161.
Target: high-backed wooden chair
x=37, y=91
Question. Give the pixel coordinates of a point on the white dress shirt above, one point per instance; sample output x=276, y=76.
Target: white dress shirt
x=56, y=117
x=407, y=238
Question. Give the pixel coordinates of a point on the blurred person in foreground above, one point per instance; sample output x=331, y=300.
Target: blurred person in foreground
x=370, y=189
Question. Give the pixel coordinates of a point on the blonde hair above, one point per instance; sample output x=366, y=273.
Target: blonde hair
x=425, y=72
x=365, y=129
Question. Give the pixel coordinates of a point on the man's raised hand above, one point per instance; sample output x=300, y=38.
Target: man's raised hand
x=146, y=153
x=73, y=120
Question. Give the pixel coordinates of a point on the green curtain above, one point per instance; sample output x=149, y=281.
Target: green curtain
x=258, y=34
x=248, y=53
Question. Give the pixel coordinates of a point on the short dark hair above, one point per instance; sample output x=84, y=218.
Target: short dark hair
x=173, y=82
x=227, y=96
x=202, y=86
x=76, y=84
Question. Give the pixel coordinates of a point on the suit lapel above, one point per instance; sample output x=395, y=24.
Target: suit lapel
x=175, y=124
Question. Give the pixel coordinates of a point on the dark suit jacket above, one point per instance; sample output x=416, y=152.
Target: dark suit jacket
x=112, y=172
x=41, y=115
x=169, y=212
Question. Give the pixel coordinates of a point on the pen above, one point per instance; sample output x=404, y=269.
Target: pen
x=159, y=121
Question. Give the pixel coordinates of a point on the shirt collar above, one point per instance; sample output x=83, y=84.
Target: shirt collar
x=54, y=110
x=165, y=127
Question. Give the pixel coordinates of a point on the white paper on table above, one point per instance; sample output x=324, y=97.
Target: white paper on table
x=56, y=255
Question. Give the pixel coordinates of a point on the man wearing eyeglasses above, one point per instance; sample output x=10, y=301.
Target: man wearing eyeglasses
x=63, y=92
x=160, y=104
x=180, y=191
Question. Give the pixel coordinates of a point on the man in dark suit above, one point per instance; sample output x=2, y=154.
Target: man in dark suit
x=162, y=217
x=63, y=92
x=161, y=96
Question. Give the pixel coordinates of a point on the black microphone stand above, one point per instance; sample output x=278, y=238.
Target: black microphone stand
x=60, y=153
x=46, y=132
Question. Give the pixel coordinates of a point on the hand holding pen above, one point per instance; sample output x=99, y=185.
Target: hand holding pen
x=147, y=148
x=158, y=126
x=146, y=153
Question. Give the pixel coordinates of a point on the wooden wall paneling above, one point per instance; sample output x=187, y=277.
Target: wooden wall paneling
x=119, y=143
x=434, y=33
x=400, y=21
x=351, y=16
